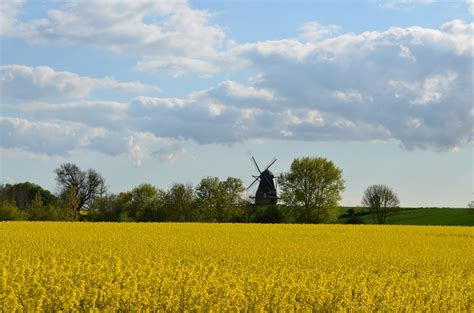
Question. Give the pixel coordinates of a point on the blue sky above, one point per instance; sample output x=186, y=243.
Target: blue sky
x=173, y=91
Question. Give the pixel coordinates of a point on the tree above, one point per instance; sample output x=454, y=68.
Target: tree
x=23, y=193
x=10, y=212
x=142, y=203
x=381, y=202
x=70, y=205
x=180, y=203
x=312, y=189
x=104, y=209
x=88, y=184
x=219, y=200
x=35, y=210
x=235, y=188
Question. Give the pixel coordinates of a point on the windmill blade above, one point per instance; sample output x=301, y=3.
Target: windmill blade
x=270, y=164
x=257, y=178
x=256, y=165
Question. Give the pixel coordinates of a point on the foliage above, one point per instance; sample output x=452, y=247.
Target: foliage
x=195, y=267
x=10, y=212
x=220, y=201
x=355, y=220
x=180, y=203
x=313, y=189
x=143, y=203
x=381, y=201
x=23, y=193
x=104, y=209
x=89, y=184
x=35, y=210
x=353, y=217
x=267, y=214
x=70, y=204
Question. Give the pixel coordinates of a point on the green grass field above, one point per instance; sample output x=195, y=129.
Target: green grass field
x=421, y=216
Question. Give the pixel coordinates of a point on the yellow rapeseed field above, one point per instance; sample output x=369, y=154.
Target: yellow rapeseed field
x=47, y=266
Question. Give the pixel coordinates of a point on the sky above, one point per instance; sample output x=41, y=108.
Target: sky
x=173, y=91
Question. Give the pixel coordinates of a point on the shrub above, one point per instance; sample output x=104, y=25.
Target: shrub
x=10, y=212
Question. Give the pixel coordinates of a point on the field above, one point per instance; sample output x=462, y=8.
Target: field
x=423, y=216
x=214, y=267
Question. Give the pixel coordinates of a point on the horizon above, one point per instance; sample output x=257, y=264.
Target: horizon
x=164, y=92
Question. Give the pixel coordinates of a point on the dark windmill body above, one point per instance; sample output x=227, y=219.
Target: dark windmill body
x=266, y=191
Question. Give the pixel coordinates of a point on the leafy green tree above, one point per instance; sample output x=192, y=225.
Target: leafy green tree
x=220, y=201
x=22, y=194
x=104, y=208
x=36, y=209
x=267, y=214
x=312, y=189
x=235, y=188
x=180, y=203
x=140, y=198
x=381, y=201
x=70, y=204
x=211, y=198
x=10, y=212
x=89, y=184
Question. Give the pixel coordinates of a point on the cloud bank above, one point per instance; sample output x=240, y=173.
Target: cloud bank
x=412, y=85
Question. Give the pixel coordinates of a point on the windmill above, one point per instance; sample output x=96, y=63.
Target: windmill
x=266, y=191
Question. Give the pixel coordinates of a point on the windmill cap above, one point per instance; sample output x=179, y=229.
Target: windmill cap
x=268, y=171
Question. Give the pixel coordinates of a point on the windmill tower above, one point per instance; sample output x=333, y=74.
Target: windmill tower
x=266, y=191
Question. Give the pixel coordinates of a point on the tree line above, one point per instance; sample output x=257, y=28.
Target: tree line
x=309, y=193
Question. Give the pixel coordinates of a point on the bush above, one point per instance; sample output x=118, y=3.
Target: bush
x=355, y=220
x=10, y=212
x=268, y=214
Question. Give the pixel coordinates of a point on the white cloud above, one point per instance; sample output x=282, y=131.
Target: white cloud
x=236, y=90
x=135, y=151
x=49, y=138
x=171, y=37
x=313, y=31
x=410, y=84
x=406, y=53
x=431, y=90
x=349, y=96
x=470, y=3
x=374, y=81
x=177, y=66
x=60, y=138
x=43, y=82
x=8, y=12
x=164, y=149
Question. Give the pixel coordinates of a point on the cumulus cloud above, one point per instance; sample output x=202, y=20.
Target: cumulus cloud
x=60, y=138
x=43, y=82
x=171, y=37
x=46, y=137
x=313, y=31
x=413, y=85
x=376, y=79
x=470, y=4
x=8, y=12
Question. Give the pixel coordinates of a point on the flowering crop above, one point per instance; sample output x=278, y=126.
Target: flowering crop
x=47, y=266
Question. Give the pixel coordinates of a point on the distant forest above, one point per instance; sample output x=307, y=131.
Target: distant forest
x=82, y=196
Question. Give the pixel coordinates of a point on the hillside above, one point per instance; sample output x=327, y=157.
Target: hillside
x=422, y=216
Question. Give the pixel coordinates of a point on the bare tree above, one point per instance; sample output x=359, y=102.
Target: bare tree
x=88, y=184
x=381, y=202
